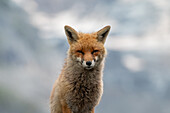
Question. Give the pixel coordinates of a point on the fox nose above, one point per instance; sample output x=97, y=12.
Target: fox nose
x=88, y=63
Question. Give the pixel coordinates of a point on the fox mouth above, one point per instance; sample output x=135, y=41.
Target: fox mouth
x=89, y=67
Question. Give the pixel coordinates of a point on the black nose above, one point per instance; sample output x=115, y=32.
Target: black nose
x=88, y=63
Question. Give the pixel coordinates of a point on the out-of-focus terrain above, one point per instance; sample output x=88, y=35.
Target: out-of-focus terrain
x=33, y=47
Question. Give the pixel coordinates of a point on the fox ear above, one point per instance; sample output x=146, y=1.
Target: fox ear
x=71, y=34
x=102, y=34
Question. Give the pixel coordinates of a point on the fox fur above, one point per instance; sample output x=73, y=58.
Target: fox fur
x=79, y=87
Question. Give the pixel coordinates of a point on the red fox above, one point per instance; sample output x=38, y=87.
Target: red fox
x=79, y=87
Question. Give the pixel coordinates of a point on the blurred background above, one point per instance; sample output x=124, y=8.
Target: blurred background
x=33, y=46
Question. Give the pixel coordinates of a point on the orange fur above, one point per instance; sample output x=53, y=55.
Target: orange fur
x=79, y=87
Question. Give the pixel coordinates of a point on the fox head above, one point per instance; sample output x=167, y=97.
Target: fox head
x=87, y=49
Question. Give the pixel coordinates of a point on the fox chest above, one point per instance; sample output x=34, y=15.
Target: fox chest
x=84, y=93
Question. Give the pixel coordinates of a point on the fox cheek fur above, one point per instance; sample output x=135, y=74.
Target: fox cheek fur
x=87, y=53
x=96, y=60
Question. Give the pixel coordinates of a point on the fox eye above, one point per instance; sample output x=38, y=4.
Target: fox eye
x=95, y=51
x=79, y=51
